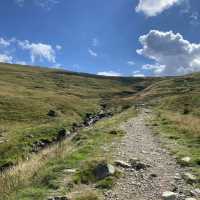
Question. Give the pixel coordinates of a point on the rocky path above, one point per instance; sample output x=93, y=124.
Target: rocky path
x=163, y=173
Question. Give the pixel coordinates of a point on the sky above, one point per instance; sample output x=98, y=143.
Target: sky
x=106, y=37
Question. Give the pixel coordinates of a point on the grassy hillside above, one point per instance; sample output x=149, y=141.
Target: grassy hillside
x=27, y=94
x=176, y=102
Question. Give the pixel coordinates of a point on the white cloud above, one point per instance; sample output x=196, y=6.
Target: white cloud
x=46, y=4
x=5, y=58
x=58, y=47
x=172, y=54
x=136, y=71
x=19, y=2
x=109, y=73
x=138, y=75
x=156, y=68
x=131, y=63
x=39, y=51
x=154, y=7
x=92, y=53
x=4, y=42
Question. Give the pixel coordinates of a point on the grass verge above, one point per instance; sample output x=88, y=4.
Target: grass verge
x=182, y=132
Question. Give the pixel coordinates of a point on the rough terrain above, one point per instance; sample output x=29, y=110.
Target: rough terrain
x=163, y=173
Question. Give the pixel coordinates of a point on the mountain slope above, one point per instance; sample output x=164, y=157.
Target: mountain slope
x=28, y=94
x=37, y=103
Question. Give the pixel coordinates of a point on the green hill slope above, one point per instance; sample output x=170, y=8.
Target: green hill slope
x=36, y=103
x=27, y=94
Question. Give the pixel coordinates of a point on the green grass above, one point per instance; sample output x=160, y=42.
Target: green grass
x=182, y=136
x=28, y=93
x=48, y=177
x=90, y=196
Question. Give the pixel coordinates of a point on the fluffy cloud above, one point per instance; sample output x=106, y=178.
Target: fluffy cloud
x=4, y=42
x=156, y=68
x=58, y=47
x=109, y=73
x=39, y=51
x=154, y=7
x=5, y=58
x=131, y=63
x=173, y=55
x=92, y=53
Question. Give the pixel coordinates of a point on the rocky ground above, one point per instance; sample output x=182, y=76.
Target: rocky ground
x=158, y=173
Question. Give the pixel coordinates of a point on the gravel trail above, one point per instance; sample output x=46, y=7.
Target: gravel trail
x=164, y=174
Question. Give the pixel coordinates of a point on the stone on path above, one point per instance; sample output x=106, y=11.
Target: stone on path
x=169, y=195
x=122, y=164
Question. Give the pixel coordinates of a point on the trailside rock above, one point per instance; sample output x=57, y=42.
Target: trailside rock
x=190, y=198
x=186, y=160
x=103, y=170
x=61, y=134
x=51, y=113
x=168, y=195
x=122, y=164
x=196, y=192
x=190, y=178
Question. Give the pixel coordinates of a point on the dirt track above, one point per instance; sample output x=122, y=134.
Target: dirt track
x=164, y=174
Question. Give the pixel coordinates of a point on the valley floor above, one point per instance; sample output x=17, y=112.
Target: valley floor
x=163, y=173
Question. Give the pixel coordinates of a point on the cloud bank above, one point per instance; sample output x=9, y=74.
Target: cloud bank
x=172, y=54
x=109, y=73
x=152, y=8
x=38, y=52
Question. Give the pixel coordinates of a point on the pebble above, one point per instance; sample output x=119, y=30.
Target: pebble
x=122, y=164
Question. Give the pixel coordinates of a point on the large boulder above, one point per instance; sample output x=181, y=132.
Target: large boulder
x=103, y=170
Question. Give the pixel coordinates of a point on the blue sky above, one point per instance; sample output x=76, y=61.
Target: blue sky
x=107, y=37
